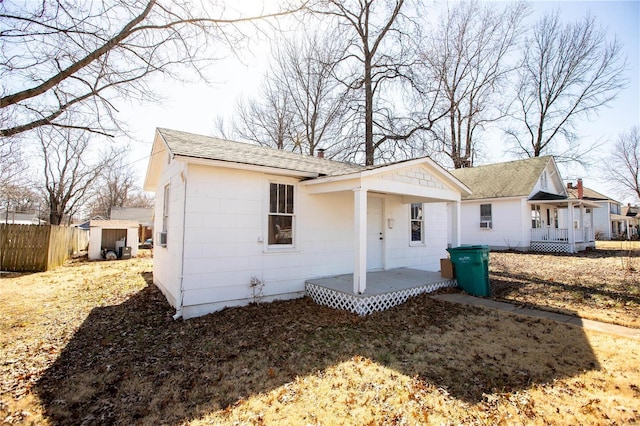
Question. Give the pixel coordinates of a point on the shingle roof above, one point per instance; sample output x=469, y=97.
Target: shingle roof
x=211, y=148
x=588, y=194
x=509, y=179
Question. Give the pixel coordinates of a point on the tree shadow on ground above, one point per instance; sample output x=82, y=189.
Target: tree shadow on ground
x=503, y=284
x=131, y=363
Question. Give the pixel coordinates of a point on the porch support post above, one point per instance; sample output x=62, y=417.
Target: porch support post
x=360, y=240
x=583, y=238
x=571, y=230
x=456, y=238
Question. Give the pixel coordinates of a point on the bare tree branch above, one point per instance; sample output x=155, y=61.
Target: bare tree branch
x=568, y=71
x=62, y=59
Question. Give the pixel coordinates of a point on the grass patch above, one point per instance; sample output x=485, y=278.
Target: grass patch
x=94, y=343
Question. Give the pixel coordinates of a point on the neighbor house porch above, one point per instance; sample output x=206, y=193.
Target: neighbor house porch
x=561, y=225
x=385, y=289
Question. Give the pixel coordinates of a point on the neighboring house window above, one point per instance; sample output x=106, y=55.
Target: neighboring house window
x=281, y=214
x=543, y=180
x=417, y=223
x=536, y=221
x=486, y=220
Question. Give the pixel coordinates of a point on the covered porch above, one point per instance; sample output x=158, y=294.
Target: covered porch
x=562, y=225
x=385, y=289
x=382, y=197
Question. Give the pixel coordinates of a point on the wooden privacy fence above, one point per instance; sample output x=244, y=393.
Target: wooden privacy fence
x=35, y=248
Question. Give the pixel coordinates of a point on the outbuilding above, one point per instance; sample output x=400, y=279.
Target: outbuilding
x=112, y=239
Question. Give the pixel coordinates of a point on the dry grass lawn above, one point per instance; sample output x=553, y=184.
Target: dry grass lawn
x=602, y=285
x=94, y=343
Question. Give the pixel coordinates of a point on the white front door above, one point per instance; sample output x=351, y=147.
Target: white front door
x=374, y=233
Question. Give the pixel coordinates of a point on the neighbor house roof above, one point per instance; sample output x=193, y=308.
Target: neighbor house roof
x=509, y=179
x=112, y=224
x=144, y=216
x=588, y=194
x=210, y=148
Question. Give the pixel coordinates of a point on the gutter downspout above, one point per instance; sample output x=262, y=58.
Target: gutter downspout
x=178, y=313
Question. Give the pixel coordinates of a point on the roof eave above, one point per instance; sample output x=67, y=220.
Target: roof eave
x=245, y=166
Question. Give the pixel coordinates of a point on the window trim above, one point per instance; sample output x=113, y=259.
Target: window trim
x=162, y=240
x=422, y=241
x=275, y=248
x=486, y=219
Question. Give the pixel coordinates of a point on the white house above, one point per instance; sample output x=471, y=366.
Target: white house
x=608, y=221
x=524, y=205
x=229, y=214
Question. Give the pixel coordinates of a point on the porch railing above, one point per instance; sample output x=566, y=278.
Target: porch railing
x=561, y=235
x=550, y=234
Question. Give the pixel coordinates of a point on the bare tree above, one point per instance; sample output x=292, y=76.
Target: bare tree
x=114, y=187
x=267, y=119
x=382, y=49
x=623, y=167
x=305, y=69
x=468, y=52
x=300, y=103
x=12, y=165
x=63, y=63
x=70, y=172
x=568, y=72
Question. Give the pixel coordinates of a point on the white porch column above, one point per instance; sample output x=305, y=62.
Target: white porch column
x=582, y=227
x=360, y=240
x=571, y=230
x=456, y=223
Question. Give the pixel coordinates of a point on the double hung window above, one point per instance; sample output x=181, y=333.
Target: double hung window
x=281, y=214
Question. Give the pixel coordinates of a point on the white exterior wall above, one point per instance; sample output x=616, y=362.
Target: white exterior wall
x=95, y=242
x=399, y=252
x=225, y=239
x=511, y=224
x=602, y=221
x=167, y=265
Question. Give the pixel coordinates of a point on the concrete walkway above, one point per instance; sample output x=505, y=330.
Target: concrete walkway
x=466, y=299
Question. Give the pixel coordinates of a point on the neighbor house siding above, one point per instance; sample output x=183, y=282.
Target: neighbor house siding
x=510, y=224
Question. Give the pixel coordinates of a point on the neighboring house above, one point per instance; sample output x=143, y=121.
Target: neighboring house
x=144, y=217
x=632, y=229
x=230, y=214
x=608, y=221
x=524, y=205
x=15, y=218
x=112, y=239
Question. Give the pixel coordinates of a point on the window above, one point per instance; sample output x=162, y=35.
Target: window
x=535, y=217
x=165, y=217
x=417, y=223
x=280, y=214
x=543, y=180
x=486, y=220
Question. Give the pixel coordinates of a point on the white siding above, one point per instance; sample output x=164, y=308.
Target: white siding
x=511, y=224
x=167, y=265
x=225, y=238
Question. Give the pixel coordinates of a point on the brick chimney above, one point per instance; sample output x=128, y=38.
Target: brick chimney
x=580, y=189
x=321, y=153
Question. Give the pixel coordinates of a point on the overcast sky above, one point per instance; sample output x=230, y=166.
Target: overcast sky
x=194, y=107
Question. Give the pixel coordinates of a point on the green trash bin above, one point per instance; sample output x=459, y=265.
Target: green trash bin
x=472, y=268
